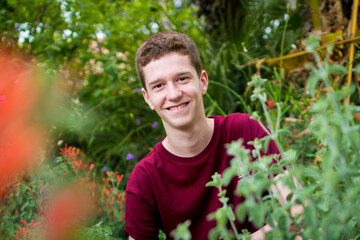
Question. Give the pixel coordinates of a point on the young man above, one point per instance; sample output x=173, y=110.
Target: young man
x=167, y=187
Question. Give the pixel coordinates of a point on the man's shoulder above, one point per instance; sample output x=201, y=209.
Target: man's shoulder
x=235, y=119
x=143, y=171
x=238, y=116
x=239, y=125
x=150, y=159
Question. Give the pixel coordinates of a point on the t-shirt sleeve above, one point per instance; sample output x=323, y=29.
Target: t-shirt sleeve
x=140, y=218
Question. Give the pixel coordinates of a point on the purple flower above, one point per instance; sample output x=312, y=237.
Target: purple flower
x=104, y=169
x=2, y=100
x=137, y=90
x=129, y=156
x=138, y=121
x=155, y=124
x=43, y=193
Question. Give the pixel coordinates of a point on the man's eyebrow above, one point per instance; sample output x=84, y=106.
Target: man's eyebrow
x=154, y=82
x=183, y=73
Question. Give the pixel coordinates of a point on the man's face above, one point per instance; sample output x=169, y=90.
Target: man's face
x=174, y=91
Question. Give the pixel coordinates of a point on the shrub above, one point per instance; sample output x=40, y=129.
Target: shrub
x=329, y=192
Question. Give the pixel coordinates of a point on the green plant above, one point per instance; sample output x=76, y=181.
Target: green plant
x=34, y=203
x=329, y=192
x=181, y=232
x=96, y=232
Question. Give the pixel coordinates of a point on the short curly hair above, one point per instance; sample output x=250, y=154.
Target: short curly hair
x=162, y=43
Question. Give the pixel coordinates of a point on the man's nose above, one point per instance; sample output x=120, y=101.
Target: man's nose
x=173, y=92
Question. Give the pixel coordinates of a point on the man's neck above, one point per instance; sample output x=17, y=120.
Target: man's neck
x=190, y=142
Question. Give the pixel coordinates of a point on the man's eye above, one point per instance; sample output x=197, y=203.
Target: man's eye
x=182, y=79
x=158, y=85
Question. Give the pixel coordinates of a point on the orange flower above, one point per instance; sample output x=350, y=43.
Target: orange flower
x=23, y=222
x=91, y=167
x=27, y=232
x=270, y=103
x=107, y=192
x=73, y=155
x=118, y=177
x=31, y=192
x=69, y=152
x=357, y=116
x=106, y=181
x=22, y=233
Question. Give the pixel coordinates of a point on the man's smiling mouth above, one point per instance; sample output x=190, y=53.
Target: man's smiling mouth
x=175, y=108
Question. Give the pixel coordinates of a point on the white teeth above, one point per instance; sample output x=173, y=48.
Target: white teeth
x=177, y=107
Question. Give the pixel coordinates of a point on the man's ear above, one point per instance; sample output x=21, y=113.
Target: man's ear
x=147, y=99
x=204, y=81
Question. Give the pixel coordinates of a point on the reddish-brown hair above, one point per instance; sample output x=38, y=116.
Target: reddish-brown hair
x=163, y=43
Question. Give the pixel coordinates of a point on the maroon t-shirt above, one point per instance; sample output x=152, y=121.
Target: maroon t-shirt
x=164, y=189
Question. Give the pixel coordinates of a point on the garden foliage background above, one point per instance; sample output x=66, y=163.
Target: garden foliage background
x=76, y=62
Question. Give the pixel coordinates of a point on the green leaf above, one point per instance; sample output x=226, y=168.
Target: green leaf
x=312, y=42
x=266, y=144
x=53, y=47
x=162, y=235
x=284, y=132
x=222, y=193
x=214, y=234
x=257, y=215
x=357, y=69
x=230, y=214
x=241, y=212
x=335, y=68
x=216, y=182
x=311, y=83
x=310, y=216
x=182, y=231
x=284, y=223
x=257, y=81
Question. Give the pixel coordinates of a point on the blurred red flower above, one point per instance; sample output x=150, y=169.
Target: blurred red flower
x=20, y=138
x=68, y=210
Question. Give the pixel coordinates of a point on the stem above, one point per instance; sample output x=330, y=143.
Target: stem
x=273, y=198
x=315, y=13
x=273, y=134
x=235, y=93
x=351, y=50
x=278, y=117
x=237, y=235
x=283, y=35
x=215, y=103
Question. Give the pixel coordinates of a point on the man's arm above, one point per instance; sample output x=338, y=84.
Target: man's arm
x=283, y=191
x=130, y=238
